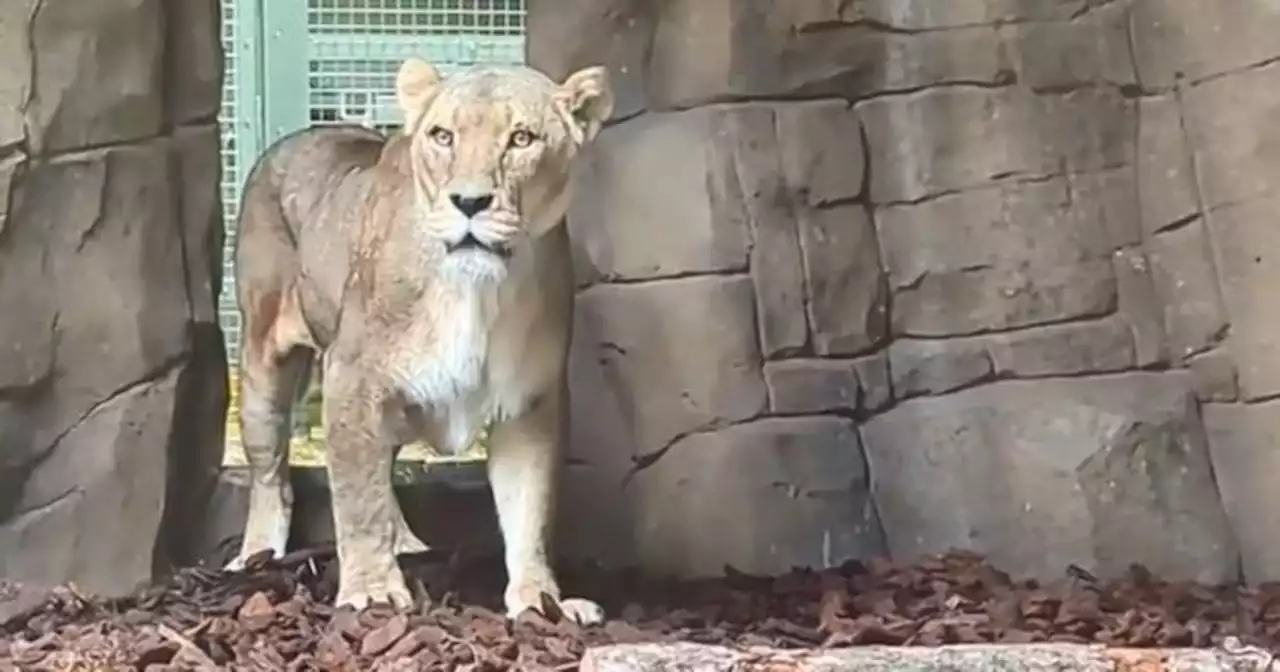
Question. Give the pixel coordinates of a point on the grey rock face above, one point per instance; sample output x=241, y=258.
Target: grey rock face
x=113, y=374
x=1025, y=248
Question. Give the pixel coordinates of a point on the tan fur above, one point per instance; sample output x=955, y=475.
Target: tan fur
x=346, y=248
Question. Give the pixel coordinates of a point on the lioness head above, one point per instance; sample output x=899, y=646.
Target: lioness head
x=490, y=155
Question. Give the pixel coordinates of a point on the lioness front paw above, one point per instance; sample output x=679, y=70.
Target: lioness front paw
x=531, y=595
x=360, y=591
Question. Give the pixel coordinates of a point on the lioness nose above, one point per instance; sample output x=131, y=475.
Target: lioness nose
x=471, y=205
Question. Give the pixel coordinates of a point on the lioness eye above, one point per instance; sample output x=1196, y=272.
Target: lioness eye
x=441, y=136
x=521, y=139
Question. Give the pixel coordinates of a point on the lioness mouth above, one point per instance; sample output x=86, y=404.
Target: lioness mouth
x=470, y=242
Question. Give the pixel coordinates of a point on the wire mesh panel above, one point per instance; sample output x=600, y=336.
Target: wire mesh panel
x=293, y=63
x=228, y=315
x=352, y=50
x=355, y=47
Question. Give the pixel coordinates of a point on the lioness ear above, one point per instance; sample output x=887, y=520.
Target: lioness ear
x=586, y=100
x=416, y=83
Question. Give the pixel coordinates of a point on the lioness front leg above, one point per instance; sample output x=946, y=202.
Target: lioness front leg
x=364, y=510
x=523, y=460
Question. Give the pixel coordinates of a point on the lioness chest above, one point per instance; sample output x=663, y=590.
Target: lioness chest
x=456, y=368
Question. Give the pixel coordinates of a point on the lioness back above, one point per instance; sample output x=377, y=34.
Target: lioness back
x=302, y=201
x=307, y=173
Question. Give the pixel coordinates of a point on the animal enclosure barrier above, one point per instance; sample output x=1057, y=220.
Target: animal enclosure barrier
x=293, y=63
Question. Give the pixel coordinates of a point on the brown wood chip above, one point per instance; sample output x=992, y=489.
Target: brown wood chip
x=277, y=615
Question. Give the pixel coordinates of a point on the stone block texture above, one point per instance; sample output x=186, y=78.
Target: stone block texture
x=898, y=276
x=112, y=369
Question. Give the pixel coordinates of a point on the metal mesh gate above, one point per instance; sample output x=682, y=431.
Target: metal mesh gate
x=293, y=63
x=356, y=48
x=290, y=63
x=231, y=168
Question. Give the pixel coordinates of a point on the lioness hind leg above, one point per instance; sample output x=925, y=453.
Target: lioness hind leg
x=407, y=543
x=270, y=385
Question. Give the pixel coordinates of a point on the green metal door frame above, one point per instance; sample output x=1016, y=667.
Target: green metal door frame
x=292, y=61
x=248, y=86
x=285, y=67
x=243, y=131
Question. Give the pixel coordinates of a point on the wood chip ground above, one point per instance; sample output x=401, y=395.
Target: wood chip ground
x=277, y=616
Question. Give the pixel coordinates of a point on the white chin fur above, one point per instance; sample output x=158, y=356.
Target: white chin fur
x=473, y=267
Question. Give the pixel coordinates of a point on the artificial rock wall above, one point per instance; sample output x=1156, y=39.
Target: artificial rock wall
x=897, y=276
x=112, y=369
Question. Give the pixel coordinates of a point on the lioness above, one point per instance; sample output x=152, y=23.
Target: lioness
x=432, y=271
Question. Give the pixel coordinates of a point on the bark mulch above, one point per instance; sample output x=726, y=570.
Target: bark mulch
x=275, y=616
